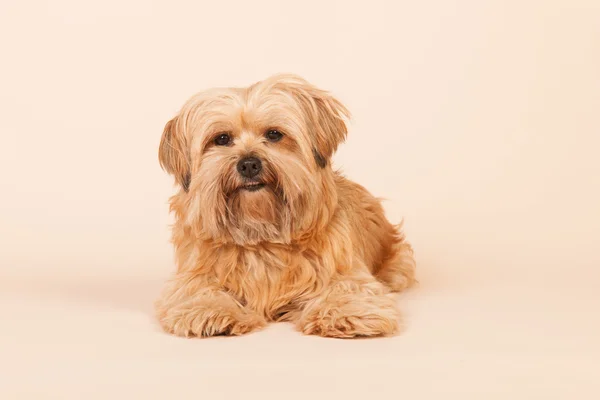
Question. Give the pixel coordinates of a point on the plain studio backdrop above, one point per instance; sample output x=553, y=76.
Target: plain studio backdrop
x=477, y=121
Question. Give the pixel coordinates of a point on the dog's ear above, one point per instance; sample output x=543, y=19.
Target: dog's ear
x=327, y=116
x=173, y=153
x=330, y=126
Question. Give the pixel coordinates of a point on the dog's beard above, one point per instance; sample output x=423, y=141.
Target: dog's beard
x=259, y=215
x=233, y=209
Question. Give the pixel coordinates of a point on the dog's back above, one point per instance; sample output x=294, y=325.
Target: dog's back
x=381, y=245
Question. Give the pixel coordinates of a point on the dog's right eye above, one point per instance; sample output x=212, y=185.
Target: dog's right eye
x=223, y=139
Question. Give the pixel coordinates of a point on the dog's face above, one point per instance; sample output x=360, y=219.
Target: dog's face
x=253, y=163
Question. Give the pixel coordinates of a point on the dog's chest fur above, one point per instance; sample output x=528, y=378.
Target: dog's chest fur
x=271, y=279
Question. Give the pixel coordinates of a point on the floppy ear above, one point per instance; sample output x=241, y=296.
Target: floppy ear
x=326, y=117
x=330, y=128
x=173, y=153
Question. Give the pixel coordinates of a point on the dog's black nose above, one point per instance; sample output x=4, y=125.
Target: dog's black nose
x=249, y=167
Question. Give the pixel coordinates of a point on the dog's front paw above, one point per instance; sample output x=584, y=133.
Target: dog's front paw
x=204, y=322
x=348, y=316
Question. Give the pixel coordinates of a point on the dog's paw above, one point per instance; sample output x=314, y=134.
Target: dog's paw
x=203, y=322
x=351, y=316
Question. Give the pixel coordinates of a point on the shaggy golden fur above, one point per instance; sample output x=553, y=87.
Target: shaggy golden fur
x=309, y=247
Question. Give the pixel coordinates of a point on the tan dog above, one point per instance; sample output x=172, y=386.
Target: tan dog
x=265, y=230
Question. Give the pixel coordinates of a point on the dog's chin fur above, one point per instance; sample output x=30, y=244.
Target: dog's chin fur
x=306, y=245
x=257, y=216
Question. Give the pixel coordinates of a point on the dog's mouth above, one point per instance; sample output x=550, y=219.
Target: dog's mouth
x=252, y=186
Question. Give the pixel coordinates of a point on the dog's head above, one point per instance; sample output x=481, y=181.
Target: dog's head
x=253, y=163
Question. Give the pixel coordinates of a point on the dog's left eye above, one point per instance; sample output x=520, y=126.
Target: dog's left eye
x=273, y=135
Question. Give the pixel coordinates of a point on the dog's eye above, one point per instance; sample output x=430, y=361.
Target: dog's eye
x=273, y=135
x=223, y=139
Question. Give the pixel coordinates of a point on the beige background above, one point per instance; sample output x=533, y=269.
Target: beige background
x=479, y=121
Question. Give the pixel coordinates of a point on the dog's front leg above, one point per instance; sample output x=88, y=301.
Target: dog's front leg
x=355, y=304
x=190, y=306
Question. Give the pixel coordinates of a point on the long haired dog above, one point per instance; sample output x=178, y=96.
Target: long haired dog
x=265, y=230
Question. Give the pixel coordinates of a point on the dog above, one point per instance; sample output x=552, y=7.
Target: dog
x=265, y=229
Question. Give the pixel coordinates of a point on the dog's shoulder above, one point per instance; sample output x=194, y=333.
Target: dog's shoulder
x=352, y=194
